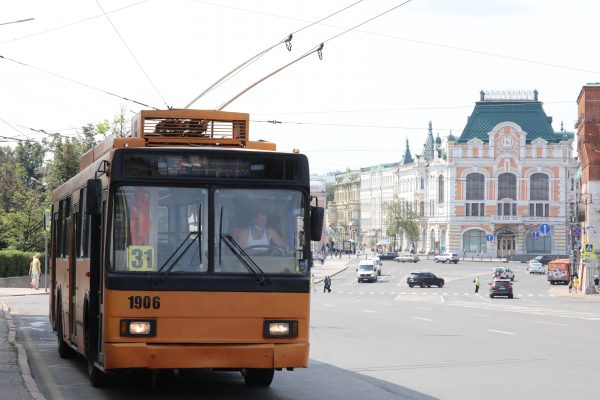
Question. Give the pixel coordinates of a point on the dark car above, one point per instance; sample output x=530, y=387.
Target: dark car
x=387, y=256
x=424, y=279
x=501, y=287
x=544, y=259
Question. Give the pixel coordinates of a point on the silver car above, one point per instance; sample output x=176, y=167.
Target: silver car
x=446, y=258
x=411, y=258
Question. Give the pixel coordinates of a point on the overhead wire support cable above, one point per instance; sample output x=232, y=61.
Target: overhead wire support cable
x=17, y=22
x=132, y=55
x=76, y=82
x=317, y=50
x=314, y=50
x=288, y=45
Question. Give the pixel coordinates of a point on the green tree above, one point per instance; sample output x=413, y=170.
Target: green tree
x=29, y=157
x=21, y=228
x=401, y=218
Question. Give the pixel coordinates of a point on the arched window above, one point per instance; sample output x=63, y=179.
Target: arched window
x=507, y=186
x=441, y=189
x=540, y=188
x=475, y=186
x=474, y=241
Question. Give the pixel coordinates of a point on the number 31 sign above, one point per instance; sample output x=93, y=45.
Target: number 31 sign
x=141, y=258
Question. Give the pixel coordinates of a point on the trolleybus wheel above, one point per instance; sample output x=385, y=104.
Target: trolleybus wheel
x=97, y=377
x=64, y=351
x=258, y=377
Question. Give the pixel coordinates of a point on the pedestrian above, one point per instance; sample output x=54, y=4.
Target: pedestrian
x=322, y=258
x=35, y=270
x=597, y=283
x=477, y=282
x=575, y=283
x=313, y=285
x=570, y=284
x=327, y=286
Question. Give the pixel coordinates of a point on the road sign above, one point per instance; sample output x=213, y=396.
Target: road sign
x=535, y=234
x=489, y=237
x=588, y=248
x=545, y=229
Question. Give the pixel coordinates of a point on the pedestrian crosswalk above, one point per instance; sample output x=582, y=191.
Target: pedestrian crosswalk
x=452, y=294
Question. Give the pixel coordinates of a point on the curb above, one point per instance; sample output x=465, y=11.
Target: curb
x=30, y=384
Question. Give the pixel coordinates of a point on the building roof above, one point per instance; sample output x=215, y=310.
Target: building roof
x=526, y=113
x=407, y=157
x=428, y=146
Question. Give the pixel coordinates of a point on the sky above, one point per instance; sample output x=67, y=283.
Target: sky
x=375, y=87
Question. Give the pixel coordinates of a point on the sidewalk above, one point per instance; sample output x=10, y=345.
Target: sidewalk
x=333, y=266
x=16, y=381
x=563, y=291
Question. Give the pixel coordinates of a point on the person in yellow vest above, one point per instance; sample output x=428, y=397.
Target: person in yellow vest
x=35, y=270
x=477, y=282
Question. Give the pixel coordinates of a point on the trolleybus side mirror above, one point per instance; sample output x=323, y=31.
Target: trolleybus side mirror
x=93, y=196
x=317, y=215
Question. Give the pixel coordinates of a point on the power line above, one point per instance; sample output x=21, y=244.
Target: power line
x=132, y=55
x=71, y=23
x=76, y=82
x=317, y=49
x=251, y=60
x=17, y=22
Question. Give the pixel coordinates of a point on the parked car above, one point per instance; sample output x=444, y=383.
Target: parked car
x=446, y=257
x=501, y=287
x=390, y=255
x=366, y=271
x=424, y=279
x=411, y=258
x=535, y=267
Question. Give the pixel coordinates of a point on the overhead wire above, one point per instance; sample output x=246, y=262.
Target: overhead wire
x=287, y=40
x=75, y=82
x=71, y=23
x=132, y=54
x=317, y=49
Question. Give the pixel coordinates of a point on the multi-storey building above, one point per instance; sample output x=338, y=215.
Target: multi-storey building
x=344, y=211
x=505, y=187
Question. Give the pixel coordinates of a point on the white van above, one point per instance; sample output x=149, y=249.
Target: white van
x=366, y=271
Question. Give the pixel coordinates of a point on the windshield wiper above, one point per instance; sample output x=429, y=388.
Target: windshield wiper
x=176, y=260
x=245, y=259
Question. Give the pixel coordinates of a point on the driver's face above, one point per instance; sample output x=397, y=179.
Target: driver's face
x=260, y=220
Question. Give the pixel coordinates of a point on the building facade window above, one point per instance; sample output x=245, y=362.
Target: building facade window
x=539, y=209
x=539, y=187
x=507, y=209
x=422, y=208
x=474, y=241
x=440, y=189
x=475, y=186
x=507, y=186
x=422, y=183
x=475, y=209
x=543, y=244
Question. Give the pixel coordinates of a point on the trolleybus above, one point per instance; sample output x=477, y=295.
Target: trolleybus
x=184, y=246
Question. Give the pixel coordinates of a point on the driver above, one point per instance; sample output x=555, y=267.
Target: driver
x=257, y=238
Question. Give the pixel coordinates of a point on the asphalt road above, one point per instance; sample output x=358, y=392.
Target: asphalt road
x=384, y=340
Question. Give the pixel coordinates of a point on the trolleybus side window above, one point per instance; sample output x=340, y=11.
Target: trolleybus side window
x=159, y=229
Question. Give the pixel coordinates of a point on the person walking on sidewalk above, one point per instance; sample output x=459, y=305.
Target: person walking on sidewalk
x=327, y=286
x=35, y=270
x=313, y=285
x=477, y=282
x=575, y=283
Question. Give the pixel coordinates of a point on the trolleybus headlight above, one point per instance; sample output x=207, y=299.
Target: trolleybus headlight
x=280, y=329
x=136, y=327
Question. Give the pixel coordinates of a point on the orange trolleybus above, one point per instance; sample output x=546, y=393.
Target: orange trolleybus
x=184, y=246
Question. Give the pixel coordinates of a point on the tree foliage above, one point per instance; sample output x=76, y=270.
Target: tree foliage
x=401, y=219
x=30, y=171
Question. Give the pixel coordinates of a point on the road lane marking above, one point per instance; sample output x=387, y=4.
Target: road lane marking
x=423, y=308
x=503, y=332
x=442, y=298
x=423, y=319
